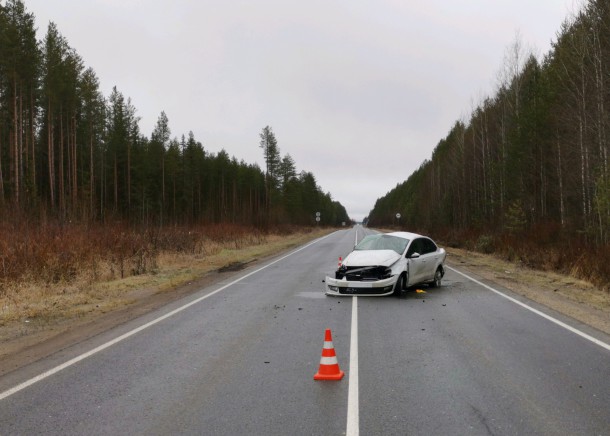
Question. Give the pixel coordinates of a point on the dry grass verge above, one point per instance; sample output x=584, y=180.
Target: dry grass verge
x=36, y=307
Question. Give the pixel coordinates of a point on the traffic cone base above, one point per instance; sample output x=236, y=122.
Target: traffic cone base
x=337, y=376
x=329, y=366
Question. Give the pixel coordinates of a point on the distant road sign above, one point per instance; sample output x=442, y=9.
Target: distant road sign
x=398, y=216
x=318, y=219
x=317, y=213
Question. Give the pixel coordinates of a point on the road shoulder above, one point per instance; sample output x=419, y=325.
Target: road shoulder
x=571, y=297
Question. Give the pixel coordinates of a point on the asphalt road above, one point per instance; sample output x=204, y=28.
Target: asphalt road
x=240, y=359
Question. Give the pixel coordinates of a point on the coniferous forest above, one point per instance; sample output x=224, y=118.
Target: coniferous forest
x=69, y=153
x=527, y=174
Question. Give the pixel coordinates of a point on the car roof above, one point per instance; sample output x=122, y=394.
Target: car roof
x=405, y=235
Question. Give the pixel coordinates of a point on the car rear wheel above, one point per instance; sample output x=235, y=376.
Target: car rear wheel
x=399, y=287
x=438, y=276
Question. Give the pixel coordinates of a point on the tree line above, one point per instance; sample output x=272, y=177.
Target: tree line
x=532, y=156
x=69, y=152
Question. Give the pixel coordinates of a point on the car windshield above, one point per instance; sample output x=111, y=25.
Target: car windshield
x=383, y=242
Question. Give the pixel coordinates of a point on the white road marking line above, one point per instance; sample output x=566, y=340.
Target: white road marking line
x=108, y=344
x=537, y=312
x=353, y=422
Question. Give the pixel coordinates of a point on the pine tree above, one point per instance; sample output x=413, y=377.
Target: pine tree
x=159, y=142
x=271, y=153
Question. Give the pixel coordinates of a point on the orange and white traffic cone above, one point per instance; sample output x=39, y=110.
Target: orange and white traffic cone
x=340, y=261
x=329, y=367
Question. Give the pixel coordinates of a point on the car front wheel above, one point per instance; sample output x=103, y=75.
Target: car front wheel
x=438, y=276
x=400, y=285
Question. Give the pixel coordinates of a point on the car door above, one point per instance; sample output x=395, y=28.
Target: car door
x=429, y=259
x=416, y=264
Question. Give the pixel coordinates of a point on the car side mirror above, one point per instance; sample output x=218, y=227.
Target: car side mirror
x=414, y=256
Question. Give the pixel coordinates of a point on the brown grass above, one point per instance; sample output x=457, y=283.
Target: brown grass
x=544, y=247
x=50, y=272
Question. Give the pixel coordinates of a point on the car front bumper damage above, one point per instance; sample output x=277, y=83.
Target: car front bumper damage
x=343, y=287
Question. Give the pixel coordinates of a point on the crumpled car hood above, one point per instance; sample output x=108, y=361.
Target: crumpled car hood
x=371, y=258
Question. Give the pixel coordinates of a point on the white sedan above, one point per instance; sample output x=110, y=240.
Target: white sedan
x=388, y=263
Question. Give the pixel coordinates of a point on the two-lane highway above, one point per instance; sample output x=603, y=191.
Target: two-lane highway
x=239, y=358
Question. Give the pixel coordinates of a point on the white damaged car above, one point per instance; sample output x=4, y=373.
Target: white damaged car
x=388, y=263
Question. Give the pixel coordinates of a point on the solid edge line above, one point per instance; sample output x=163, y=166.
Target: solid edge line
x=353, y=424
x=108, y=344
x=537, y=312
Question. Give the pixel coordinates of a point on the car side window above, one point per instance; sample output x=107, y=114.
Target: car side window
x=429, y=246
x=416, y=247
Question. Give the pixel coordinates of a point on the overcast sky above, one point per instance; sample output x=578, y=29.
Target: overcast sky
x=357, y=92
